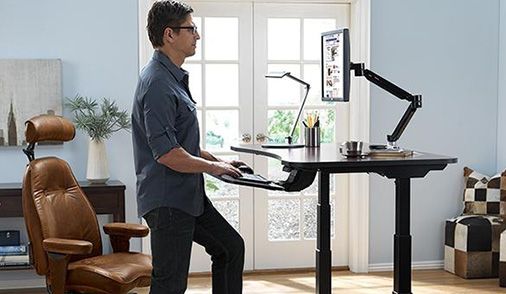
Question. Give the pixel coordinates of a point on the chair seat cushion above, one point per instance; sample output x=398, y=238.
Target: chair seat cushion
x=112, y=273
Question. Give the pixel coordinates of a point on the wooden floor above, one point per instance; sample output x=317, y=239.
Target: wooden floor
x=424, y=282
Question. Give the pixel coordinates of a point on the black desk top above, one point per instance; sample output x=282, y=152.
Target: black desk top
x=328, y=158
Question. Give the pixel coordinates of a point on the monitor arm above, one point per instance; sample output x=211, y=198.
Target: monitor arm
x=416, y=100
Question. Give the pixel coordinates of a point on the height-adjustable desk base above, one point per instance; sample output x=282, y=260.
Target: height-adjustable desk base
x=327, y=160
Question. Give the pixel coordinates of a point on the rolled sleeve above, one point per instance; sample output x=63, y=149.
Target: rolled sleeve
x=160, y=111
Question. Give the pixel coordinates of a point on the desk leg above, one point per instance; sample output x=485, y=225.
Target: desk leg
x=323, y=253
x=402, y=237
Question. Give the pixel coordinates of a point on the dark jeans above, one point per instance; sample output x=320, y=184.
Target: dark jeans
x=172, y=234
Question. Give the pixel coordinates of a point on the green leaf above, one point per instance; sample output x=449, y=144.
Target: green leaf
x=99, y=121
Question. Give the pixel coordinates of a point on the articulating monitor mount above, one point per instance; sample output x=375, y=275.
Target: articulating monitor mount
x=416, y=100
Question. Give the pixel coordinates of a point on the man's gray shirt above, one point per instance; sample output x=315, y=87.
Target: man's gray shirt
x=164, y=117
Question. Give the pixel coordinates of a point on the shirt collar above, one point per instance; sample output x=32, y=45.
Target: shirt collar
x=177, y=72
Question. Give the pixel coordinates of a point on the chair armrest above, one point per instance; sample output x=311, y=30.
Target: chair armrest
x=59, y=252
x=67, y=246
x=126, y=230
x=120, y=234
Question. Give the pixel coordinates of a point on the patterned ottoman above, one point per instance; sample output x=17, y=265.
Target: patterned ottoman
x=472, y=245
x=502, y=261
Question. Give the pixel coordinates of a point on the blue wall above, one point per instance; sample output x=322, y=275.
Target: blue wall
x=501, y=129
x=98, y=44
x=448, y=52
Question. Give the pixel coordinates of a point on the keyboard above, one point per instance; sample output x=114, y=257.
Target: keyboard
x=247, y=178
x=253, y=178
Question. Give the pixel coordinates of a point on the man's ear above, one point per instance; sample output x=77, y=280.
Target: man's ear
x=168, y=35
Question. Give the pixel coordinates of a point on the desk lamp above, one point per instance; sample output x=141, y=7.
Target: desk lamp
x=288, y=144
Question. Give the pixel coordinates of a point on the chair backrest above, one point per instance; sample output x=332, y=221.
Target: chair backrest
x=54, y=206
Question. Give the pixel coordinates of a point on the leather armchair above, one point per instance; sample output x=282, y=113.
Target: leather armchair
x=63, y=229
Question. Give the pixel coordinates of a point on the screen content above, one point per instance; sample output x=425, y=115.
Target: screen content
x=335, y=66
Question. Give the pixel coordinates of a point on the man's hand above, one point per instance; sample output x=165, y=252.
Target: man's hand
x=224, y=168
x=236, y=163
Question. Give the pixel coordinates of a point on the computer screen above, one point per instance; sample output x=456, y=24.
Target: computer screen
x=335, y=65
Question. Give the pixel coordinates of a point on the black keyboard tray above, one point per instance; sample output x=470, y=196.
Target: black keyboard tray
x=245, y=182
x=297, y=180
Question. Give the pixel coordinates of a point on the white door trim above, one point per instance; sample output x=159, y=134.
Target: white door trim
x=359, y=130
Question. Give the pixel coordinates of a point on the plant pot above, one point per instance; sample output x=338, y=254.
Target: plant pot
x=98, y=168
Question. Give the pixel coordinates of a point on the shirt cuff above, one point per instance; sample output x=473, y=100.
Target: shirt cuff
x=163, y=143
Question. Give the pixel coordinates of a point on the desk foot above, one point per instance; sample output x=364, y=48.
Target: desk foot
x=324, y=272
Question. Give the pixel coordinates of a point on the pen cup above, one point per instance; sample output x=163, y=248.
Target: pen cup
x=312, y=137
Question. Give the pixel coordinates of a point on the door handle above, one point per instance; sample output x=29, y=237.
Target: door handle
x=261, y=138
x=246, y=138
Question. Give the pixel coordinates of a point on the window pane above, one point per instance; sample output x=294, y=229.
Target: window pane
x=283, y=39
x=222, y=129
x=198, y=52
x=222, y=38
x=327, y=125
x=195, y=81
x=312, y=32
x=310, y=222
x=230, y=211
x=283, y=219
x=284, y=91
x=280, y=123
x=222, y=85
x=312, y=75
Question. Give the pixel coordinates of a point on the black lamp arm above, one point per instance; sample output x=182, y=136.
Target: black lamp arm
x=299, y=80
x=307, y=86
x=416, y=100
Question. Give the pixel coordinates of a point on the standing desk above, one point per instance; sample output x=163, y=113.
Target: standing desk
x=326, y=160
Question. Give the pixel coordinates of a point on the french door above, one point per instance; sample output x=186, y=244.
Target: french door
x=287, y=38
x=240, y=43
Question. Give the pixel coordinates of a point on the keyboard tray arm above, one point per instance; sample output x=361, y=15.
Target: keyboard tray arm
x=297, y=180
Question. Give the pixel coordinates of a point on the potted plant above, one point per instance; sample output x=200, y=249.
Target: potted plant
x=99, y=121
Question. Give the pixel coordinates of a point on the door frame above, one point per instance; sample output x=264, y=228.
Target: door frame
x=360, y=21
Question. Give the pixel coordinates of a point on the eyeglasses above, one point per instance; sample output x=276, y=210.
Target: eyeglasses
x=192, y=29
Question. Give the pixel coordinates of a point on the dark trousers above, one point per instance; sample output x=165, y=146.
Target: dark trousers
x=172, y=234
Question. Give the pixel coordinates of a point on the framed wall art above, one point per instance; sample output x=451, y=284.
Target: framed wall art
x=28, y=87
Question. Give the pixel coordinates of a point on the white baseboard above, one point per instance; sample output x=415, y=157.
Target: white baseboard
x=416, y=265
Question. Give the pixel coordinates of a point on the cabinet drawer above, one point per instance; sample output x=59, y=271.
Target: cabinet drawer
x=11, y=206
x=103, y=201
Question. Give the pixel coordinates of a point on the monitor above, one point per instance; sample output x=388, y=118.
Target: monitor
x=335, y=65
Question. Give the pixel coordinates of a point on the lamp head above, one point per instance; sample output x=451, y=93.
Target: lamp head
x=277, y=74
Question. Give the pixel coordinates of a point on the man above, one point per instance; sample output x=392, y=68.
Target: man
x=169, y=163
